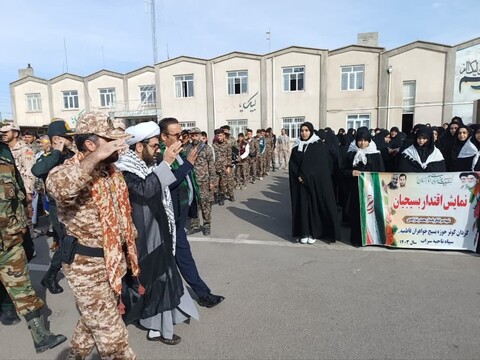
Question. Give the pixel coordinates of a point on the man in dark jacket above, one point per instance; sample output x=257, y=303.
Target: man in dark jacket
x=184, y=195
x=61, y=139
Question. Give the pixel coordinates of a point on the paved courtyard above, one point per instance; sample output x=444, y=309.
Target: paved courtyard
x=291, y=301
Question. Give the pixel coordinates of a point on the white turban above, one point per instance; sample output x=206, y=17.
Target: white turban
x=142, y=131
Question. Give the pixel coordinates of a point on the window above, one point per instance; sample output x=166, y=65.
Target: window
x=358, y=120
x=292, y=126
x=293, y=78
x=34, y=102
x=184, y=86
x=70, y=99
x=187, y=125
x=352, y=77
x=107, y=97
x=409, y=88
x=148, y=94
x=237, y=82
x=237, y=127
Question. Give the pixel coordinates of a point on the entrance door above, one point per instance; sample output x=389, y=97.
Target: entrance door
x=407, y=123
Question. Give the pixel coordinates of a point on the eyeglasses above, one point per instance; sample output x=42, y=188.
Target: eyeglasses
x=177, y=135
x=154, y=146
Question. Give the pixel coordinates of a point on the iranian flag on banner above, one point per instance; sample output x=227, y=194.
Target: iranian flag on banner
x=372, y=212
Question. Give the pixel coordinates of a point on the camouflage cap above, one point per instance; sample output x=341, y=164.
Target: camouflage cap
x=99, y=124
x=195, y=130
x=8, y=125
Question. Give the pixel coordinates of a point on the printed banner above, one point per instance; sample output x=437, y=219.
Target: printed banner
x=420, y=210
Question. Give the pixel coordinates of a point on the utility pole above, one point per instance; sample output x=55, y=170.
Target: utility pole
x=154, y=31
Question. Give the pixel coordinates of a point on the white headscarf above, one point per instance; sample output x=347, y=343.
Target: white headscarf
x=304, y=143
x=469, y=150
x=361, y=154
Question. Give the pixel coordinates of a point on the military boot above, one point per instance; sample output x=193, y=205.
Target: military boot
x=50, y=281
x=215, y=198
x=42, y=338
x=206, y=229
x=221, y=199
x=9, y=316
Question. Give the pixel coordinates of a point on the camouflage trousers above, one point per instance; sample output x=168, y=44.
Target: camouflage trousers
x=270, y=160
x=241, y=173
x=261, y=165
x=15, y=277
x=283, y=156
x=206, y=200
x=100, y=323
x=252, y=168
x=222, y=183
x=231, y=183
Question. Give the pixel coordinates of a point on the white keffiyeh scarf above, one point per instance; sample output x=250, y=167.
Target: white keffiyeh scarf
x=132, y=163
x=412, y=154
x=361, y=154
x=302, y=145
x=469, y=150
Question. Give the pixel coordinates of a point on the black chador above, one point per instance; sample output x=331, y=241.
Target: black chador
x=314, y=211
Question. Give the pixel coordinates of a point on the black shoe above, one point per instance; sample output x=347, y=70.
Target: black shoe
x=9, y=317
x=194, y=230
x=232, y=198
x=221, y=200
x=50, y=281
x=210, y=300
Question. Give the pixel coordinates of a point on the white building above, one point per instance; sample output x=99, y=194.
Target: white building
x=357, y=85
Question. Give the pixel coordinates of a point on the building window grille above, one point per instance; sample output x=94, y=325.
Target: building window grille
x=355, y=121
x=292, y=126
x=352, y=77
x=34, y=102
x=237, y=82
x=70, y=99
x=293, y=78
x=184, y=86
x=148, y=95
x=237, y=126
x=107, y=97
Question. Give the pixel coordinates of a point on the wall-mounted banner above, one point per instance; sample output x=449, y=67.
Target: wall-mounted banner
x=420, y=210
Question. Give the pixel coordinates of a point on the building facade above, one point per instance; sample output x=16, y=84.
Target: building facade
x=357, y=85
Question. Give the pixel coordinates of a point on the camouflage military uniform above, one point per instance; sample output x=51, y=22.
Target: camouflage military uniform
x=24, y=157
x=231, y=176
x=205, y=174
x=269, y=153
x=252, y=159
x=101, y=323
x=283, y=150
x=261, y=157
x=13, y=262
x=223, y=161
x=242, y=166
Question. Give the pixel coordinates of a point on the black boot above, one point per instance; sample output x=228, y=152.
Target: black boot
x=50, y=281
x=206, y=229
x=221, y=200
x=9, y=317
x=42, y=338
x=215, y=198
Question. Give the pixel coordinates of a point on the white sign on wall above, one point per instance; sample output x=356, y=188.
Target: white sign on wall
x=467, y=82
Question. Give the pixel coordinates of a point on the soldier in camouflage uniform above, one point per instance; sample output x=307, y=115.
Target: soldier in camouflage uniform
x=30, y=138
x=262, y=154
x=270, y=150
x=13, y=260
x=223, y=165
x=252, y=156
x=242, y=165
x=92, y=200
x=204, y=169
x=231, y=176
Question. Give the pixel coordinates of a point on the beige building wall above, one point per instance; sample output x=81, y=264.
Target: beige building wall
x=291, y=104
x=341, y=103
x=133, y=84
x=23, y=117
x=189, y=109
x=427, y=68
x=94, y=85
x=67, y=84
x=237, y=106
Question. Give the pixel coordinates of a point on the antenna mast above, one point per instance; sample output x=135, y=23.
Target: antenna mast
x=154, y=31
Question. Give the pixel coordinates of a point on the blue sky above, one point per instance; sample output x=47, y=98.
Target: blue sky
x=34, y=31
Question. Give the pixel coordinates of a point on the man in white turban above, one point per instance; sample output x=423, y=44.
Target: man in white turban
x=165, y=301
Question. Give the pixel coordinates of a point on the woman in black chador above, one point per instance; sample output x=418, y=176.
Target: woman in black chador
x=423, y=155
x=468, y=158
x=314, y=212
x=362, y=156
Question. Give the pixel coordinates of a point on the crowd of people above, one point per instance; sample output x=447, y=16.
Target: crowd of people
x=118, y=202
x=317, y=194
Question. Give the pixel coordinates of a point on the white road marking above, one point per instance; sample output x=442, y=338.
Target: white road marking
x=240, y=239
x=38, y=267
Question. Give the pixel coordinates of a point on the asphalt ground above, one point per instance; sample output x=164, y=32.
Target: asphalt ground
x=285, y=300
